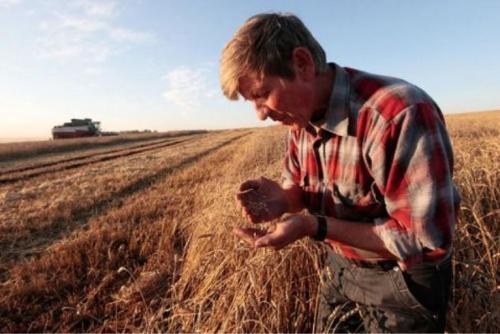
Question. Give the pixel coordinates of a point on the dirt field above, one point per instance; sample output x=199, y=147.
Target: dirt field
x=137, y=238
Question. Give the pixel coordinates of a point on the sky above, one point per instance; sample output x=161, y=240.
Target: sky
x=139, y=64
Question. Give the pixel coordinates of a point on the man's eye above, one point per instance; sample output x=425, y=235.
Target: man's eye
x=261, y=95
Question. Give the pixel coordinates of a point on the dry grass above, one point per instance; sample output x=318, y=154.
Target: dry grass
x=476, y=140
x=37, y=211
x=23, y=150
x=36, y=167
x=149, y=248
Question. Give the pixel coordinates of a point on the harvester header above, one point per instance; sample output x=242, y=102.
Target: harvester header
x=77, y=128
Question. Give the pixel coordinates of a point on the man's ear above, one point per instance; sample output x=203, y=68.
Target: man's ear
x=303, y=63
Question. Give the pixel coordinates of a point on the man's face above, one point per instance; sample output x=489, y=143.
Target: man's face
x=289, y=102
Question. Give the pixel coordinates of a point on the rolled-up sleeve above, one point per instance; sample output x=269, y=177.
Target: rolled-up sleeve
x=411, y=160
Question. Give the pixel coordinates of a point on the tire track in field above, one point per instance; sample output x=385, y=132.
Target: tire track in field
x=11, y=176
x=39, y=240
x=123, y=147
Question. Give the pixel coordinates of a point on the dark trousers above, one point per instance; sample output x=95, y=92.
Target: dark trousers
x=382, y=298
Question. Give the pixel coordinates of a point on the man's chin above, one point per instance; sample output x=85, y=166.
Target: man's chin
x=291, y=126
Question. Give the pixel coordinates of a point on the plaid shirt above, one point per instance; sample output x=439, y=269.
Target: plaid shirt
x=381, y=155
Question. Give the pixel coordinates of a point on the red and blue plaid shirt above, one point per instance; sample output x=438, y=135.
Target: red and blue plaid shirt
x=381, y=155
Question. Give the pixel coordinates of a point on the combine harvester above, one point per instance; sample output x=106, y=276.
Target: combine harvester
x=77, y=128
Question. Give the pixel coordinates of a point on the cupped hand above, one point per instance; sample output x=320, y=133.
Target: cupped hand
x=282, y=234
x=261, y=200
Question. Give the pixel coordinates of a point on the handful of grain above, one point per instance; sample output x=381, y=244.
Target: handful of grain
x=255, y=202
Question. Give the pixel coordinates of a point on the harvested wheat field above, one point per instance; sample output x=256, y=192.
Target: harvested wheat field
x=141, y=240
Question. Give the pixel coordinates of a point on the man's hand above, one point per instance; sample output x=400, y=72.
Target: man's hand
x=262, y=200
x=293, y=228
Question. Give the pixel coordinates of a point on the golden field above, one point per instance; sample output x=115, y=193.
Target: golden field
x=27, y=149
x=143, y=242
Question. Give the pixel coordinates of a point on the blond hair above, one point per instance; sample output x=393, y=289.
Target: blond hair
x=263, y=45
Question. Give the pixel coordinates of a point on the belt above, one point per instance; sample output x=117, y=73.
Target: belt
x=393, y=264
x=383, y=264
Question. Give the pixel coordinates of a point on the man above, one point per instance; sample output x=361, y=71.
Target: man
x=369, y=158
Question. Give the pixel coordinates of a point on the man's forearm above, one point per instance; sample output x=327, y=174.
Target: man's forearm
x=357, y=234
x=294, y=197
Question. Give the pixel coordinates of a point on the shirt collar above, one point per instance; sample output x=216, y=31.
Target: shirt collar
x=336, y=119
